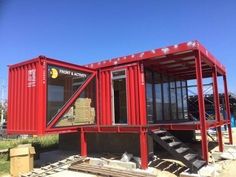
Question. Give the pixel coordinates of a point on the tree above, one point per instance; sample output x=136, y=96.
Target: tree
x=3, y=110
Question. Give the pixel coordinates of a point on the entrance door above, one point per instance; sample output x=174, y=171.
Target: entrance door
x=119, y=99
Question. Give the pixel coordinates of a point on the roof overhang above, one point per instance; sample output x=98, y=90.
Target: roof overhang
x=177, y=60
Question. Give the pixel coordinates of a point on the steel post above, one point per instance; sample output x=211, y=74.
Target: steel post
x=217, y=107
x=83, y=143
x=142, y=96
x=143, y=149
x=228, y=109
x=201, y=106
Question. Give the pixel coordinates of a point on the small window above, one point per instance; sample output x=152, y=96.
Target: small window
x=118, y=74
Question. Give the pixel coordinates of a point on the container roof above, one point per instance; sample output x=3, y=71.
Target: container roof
x=177, y=60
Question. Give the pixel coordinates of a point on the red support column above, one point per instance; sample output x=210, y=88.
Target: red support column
x=142, y=96
x=83, y=143
x=143, y=149
x=217, y=107
x=228, y=109
x=201, y=106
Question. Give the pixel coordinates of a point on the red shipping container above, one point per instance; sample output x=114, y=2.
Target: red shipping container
x=43, y=93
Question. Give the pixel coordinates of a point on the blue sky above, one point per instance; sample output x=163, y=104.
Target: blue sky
x=85, y=31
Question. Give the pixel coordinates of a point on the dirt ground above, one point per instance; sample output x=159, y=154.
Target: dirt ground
x=162, y=168
x=229, y=169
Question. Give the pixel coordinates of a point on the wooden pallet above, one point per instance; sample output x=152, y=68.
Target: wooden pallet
x=55, y=167
x=107, y=171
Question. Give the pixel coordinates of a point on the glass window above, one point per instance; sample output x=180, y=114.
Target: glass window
x=83, y=111
x=166, y=96
x=173, y=100
x=149, y=96
x=62, y=83
x=158, y=92
x=185, y=99
x=118, y=74
x=179, y=100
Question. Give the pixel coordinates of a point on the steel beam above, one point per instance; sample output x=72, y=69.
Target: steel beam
x=201, y=106
x=217, y=107
x=228, y=109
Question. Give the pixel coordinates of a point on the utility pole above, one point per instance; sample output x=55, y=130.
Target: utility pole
x=2, y=102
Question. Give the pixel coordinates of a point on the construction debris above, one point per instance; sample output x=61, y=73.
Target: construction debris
x=108, y=171
x=55, y=167
x=230, y=154
x=126, y=157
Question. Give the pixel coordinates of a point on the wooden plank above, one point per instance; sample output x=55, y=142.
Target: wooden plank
x=109, y=171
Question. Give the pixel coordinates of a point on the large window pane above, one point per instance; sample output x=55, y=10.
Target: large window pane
x=62, y=83
x=185, y=99
x=179, y=100
x=166, y=96
x=83, y=111
x=158, y=93
x=149, y=96
x=173, y=100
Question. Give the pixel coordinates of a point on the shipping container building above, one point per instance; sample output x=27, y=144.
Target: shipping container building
x=145, y=93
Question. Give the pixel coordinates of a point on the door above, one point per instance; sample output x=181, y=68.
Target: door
x=119, y=98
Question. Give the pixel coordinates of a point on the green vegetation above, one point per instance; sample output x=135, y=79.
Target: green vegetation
x=4, y=165
x=41, y=144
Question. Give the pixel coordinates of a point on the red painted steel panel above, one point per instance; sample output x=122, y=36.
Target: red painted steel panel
x=22, y=103
x=28, y=96
x=133, y=95
x=105, y=96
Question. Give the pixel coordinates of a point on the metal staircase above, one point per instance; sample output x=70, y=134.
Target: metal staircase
x=178, y=149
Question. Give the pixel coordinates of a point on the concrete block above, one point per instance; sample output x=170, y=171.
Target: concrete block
x=120, y=164
x=208, y=171
x=219, y=167
x=229, y=146
x=230, y=154
x=185, y=174
x=216, y=156
x=96, y=161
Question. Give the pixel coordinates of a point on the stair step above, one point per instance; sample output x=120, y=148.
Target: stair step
x=182, y=150
x=167, y=137
x=159, y=131
x=190, y=157
x=199, y=163
x=173, y=144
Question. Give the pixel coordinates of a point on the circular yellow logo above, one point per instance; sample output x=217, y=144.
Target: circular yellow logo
x=53, y=73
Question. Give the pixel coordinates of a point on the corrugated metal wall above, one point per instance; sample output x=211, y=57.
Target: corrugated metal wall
x=23, y=99
x=105, y=97
x=133, y=98
x=133, y=95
